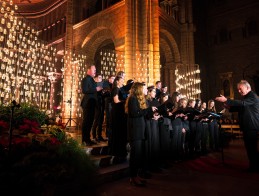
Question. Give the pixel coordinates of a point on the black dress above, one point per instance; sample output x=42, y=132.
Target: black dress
x=136, y=135
x=213, y=133
x=176, y=139
x=153, y=138
x=119, y=128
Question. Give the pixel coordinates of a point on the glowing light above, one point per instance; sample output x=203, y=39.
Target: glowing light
x=23, y=68
x=188, y=80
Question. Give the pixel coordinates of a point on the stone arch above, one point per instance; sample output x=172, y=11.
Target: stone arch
x=105, y=45
x=169, y=51
x=167, y=37
x=98, y=37
x=91, y=34
x=100, y=27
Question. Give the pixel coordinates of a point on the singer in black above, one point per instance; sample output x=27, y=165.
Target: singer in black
x=107, y=86
x=89, y=103
x=248, y=113
x=119, y=122
x=152, y=132
x=137, y=109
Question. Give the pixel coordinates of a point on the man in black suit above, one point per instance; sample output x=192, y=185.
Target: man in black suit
x=89, y=103
x=248, y=113
x=99, y=113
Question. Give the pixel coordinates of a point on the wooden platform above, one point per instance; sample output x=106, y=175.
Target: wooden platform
x=233, y=129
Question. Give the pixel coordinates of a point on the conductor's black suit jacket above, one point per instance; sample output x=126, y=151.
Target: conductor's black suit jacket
x=248, y=111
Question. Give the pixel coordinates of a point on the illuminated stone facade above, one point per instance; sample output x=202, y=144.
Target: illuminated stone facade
x=150, y=38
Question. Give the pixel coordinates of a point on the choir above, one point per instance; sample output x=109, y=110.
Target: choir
x=156, y=128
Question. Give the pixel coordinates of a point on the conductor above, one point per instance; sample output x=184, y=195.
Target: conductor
x=248, y=113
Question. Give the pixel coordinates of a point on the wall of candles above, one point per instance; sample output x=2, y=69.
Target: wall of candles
x=144, y=64
x=142, y=68
x=109, y=61
x=188, y=80
x=113, y=61
x=28, y=67
x=25, y=60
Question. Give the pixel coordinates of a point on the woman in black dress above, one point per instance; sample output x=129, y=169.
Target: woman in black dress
x=199, y=129
x=205, y=129
x=119, y=121
x=153, y=135
x=177, y=128
x=213, y=128
x=137, y=109
x=185, y=135
x=165, y=129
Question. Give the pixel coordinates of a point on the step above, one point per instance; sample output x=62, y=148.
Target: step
x=112, y=172
x=101, y=160
x=98, y=149
x=106, y=160
x=108, y=168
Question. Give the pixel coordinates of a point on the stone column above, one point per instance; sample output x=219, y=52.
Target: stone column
x=142, y=38
x=130, y=35
x=67, y=59
x=155, y=41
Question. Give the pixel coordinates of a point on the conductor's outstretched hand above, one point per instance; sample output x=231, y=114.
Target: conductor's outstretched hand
x=221, y=98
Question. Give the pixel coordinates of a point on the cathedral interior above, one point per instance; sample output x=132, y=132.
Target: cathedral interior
x=200, y=48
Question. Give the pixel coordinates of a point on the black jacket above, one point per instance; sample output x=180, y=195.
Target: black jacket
x=136, y=120
x=88, y=86
x=248, y=111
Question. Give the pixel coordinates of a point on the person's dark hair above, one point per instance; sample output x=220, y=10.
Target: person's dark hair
x=197, y=102
x=130, y=81
x=97, y=74
x=150, y=88
x=175, y=94
x=120, y=74
x=115, y=82
x=190, y=101
x=164, y=94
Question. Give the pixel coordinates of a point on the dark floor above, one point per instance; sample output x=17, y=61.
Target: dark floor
x=212, y=175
